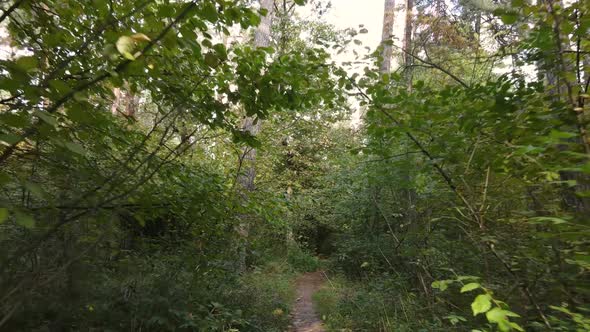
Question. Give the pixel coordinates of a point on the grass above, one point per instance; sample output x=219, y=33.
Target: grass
x=346, y=305
x=266, y=295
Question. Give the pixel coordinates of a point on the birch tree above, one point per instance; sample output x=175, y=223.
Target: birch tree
x=251, y=125
x=386, y=34
x=408, y=41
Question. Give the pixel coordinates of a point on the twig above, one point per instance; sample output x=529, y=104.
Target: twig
x=436, y=66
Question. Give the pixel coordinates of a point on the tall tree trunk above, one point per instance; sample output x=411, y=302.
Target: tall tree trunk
x=245, y=179
x=386, y=34
x=560, y=87
x=408, y=59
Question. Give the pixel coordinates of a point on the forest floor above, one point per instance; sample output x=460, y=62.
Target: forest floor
x=305, y=318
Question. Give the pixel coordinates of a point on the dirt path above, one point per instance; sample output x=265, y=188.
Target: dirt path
x=305, y=318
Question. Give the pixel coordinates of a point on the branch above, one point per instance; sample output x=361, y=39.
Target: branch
x=10, y=9
x=391, y=157
x=60, y=102
x=436, y=66
x=443, y=173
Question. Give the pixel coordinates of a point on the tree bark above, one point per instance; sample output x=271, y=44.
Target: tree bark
x=386, y=35
x=408, y=59
x=561, y=88
x=125, y=103
x=251, y=125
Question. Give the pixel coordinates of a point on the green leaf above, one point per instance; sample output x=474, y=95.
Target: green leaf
x=140, y=219
x=469, y=287
x=77, y=114
x=516, y=326
x=221, y=51
x=500, y=317
x=481, y=304
x=463, y=278
x=253, y=19
x=166, y=10
x=211, y=59
x=210, y=12
x=511, y=314
x=24, y=220
x=509, y=18
x=15, y=120
x=125, y=46
x=59, y=86
x=517, y=3
x=454, y=319
x=27, y=63
x=556, y=134
x=441, y=284
x=3, y=214
x=9, y=139
x=47, y=118
x=246, y=137
x=75, y=147
x=495, y=315
x=553, y=220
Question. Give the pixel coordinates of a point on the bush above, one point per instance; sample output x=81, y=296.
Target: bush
x=301, y=260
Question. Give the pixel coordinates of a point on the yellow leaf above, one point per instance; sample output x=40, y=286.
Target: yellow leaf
x=140, y=37
x=128, y=56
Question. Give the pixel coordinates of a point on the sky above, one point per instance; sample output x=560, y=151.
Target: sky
x=352, y=13
x=369, y=13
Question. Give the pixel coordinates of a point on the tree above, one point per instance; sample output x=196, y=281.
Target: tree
x=251, y=126
x=84, y=190
x=407, y=48
x=386, y=36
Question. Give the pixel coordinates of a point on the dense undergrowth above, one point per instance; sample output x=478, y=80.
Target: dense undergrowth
x=172, y=291
x=371, y=306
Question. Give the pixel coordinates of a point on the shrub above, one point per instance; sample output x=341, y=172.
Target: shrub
x=301, y=260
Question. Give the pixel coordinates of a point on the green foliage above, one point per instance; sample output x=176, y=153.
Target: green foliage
x=122, y=140
x=574, y=321
x=459, y=171
x=301, y=260
x=265, y=295
x=119, y=127
x=369, y=306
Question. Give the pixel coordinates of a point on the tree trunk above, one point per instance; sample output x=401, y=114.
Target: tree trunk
x=125, y=103
x=386, y=35
x=560, y=88
x=408, y=59
x=245, y=179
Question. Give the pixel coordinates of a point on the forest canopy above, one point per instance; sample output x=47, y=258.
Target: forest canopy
x=176, y=165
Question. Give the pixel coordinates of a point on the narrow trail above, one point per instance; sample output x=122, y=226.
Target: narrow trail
x=305, y=318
